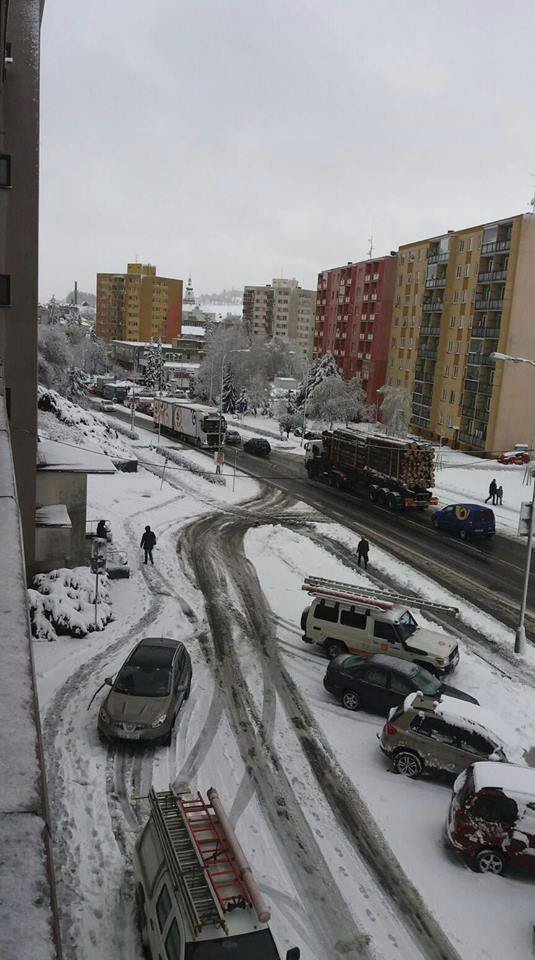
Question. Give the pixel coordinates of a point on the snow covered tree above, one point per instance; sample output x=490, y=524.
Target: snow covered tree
x=55, y=357
x=77, y=384
x=289, y=421
x=154, y=375
x=318, y=371
x=229, y=397
x=395, y=409
x=243, y=401
x=337, y=399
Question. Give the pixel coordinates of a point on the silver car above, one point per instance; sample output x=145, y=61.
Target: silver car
x=147, y=693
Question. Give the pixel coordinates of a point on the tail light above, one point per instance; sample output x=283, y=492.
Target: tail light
x=434, y=500
x=408, y=502
x=391, y=729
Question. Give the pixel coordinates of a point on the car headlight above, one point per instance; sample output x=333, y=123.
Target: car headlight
x=159, y=720
x=104, y=715
x=440, y=662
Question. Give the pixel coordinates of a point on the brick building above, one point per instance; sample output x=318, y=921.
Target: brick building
x=138, y=305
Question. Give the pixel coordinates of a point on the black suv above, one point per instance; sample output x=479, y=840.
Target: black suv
x=258, y=446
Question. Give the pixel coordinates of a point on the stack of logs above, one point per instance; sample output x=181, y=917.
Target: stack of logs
x=418, y=468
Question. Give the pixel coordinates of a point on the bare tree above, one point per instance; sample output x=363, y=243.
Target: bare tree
x=395, y=409
x=337, y=399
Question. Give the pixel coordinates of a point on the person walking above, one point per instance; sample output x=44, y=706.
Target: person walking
x=499, y=495
x=102, y=530
x=219, y=459
x=493, y=486
x=148, y=542
x=363, y=550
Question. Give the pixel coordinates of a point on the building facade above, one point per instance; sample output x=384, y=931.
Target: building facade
x=138, y=305
x=281, y=309
x=458, y=298
x=353, y=317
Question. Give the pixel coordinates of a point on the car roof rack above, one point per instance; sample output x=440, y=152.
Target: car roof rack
x=366, y=596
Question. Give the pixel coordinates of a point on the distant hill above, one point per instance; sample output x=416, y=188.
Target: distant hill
x=90, y=297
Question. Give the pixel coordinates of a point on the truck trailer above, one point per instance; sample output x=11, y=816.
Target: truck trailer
x=397, y=473
x=193, y=422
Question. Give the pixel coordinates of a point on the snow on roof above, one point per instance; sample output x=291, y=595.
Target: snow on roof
x=176, y=365
x=507, y=776
x=188, y=331
x=53, y=456
x=53, y=515
x=140, y=343
x=471, y=716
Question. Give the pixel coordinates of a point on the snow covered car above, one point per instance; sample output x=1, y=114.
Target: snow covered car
x=491, y=818
x=514, y=456
x=106, y=406
x=439, y=736
x=232, y=438
x=147, y=693
x=258, y=446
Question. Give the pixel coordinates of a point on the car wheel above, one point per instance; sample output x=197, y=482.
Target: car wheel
x=408, y=764
x=166, y=739
x=334, y=648
x=350, y=700
x=490, y=861
x=463, y=534
x=372, y=493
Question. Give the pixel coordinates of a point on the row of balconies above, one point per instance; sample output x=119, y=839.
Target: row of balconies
x=369, y=296
x=497, y=246
x=433, y=306
x=492, y=276
x=481, y=415
x=489, y=304
x=435, y=282
x=491, y=333
x=422, y=399
x=480, y=359
x=369, y=277
x=478, y=386
x=420, y=421
x=430, y=331
x=420, y=376
x=427, y=354
x=438, y=257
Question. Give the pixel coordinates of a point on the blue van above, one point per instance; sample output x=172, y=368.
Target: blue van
x=465, y=519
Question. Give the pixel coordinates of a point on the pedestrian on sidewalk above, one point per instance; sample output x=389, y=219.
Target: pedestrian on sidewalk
x=363, y=550
x=499, y=495
x=493, y=486
x=148, y=542
x=102, y=530
x=219, y=460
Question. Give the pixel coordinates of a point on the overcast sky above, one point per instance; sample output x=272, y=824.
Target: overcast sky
x=235, y=139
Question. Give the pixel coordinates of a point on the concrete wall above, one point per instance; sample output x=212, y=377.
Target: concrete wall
x=70, y=489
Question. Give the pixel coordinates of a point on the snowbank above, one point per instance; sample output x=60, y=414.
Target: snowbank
x=66, y=422
x=62, y=603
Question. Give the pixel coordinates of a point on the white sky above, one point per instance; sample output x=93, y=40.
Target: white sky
x=235, y=139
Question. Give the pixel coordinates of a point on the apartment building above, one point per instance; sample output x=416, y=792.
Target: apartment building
x=281, y=309
x=353, y=317
x=458, y=298
x=138, y=305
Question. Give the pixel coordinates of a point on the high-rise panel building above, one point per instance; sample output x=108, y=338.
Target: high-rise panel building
x=353, y=317
x=458, y=298
x=138, y=305
x=281, y=309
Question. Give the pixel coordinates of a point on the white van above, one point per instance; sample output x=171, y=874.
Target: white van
x=196, y=895
x=363, y=629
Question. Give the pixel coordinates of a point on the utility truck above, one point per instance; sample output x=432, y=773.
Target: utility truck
x=344, y=618
x=197, y=898
x=195, y=423
x=398, y=473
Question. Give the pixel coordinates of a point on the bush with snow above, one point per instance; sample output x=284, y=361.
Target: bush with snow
x=62, y=603
x=61, y=420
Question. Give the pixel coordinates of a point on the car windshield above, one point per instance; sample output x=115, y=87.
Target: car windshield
x=143, y=680
x=426, y=683
x=259, y=945
x=407, y=624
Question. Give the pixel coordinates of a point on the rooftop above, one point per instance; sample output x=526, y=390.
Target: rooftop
x=53, y=456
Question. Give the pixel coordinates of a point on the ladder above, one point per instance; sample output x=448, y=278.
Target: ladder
x=382, y=599
x=213, y=849
x=185, y=866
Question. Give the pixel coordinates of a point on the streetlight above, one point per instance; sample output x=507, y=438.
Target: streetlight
x=520, y=633
x=225, y=355
x=307, y=374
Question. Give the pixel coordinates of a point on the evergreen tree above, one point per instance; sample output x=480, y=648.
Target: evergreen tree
x=243, y=401
x=319, y=370
x=229, y=395
x=77, y=384
x=154, y=366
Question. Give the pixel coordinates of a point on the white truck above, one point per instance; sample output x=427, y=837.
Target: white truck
x=196, y=895
x=195, y=423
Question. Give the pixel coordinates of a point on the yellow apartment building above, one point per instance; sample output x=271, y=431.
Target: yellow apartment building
x=459, y=297
x=138, y=305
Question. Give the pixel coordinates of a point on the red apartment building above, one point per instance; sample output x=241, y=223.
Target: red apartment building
x=353, y=316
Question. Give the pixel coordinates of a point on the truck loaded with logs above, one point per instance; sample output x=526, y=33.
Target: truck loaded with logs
x=399, y=474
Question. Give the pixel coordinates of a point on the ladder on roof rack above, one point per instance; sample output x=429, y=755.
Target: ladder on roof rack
x=383, y=599
x=187, y=870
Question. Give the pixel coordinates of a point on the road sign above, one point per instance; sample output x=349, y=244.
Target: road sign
x=98, y=555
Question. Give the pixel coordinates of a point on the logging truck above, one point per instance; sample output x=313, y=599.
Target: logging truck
x=398, y=473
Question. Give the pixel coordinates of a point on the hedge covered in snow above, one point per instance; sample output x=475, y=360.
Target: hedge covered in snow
x=62, y=603
x=181, y=461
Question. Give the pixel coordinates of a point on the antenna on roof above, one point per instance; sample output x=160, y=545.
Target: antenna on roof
x=370, y=251
x=532, y=201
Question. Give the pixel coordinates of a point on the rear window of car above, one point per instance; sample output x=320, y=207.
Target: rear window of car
x=495, y=808
x=152, y=656
x=327, y=611
x=482, y=515
x=475, y=743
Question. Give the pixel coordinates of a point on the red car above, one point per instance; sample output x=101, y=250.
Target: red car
x=514, y=456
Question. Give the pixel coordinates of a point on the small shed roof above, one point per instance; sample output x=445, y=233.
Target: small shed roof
x=53, y=515
x=55, y=457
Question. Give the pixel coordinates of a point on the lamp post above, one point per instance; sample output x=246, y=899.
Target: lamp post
x=520, y=633
x=307, y=374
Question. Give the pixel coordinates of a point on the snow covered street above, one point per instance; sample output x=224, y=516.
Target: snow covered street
x=349, y=856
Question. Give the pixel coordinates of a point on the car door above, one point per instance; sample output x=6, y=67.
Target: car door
x=447, y=518
x=437, y=743
x=473, y=746
x=386, y=638
x=181, y=671
x=374, y=689
x=398, y=688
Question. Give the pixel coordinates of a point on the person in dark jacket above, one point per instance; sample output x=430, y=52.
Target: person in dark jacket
x=493, y=488
x=363, y=550
x=102, y=530
x=148, y=542
x=499, y=495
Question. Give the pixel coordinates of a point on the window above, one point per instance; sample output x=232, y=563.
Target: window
x=458, y=271
x=446, y=370
x=443, y=393
x=5, y=290
x=456, y=296
x=452, y=320
x=449, y=346
x=475, y=743
x=464, y=296
x=163, y=906
x=400, y=684
x=173, y=942
x=327, y=611
x=452, y=396
x=376, y=676
x=461, y=322
x=460, y=246
x=455, y=373
x=385, y=631
x=470, y=243
x=5, y=170
x=467, y=270
x=495, y=808
x=450, y=420
x=441, y=416
x=436, y=729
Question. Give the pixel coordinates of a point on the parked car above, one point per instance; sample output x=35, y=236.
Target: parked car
x=379, y=683
x=345, y=627
x=514, y=456
x=258, y=446
x=439, y=736
x=147, y=693
x=232, y=438
x=491, y=818
x=465, y=519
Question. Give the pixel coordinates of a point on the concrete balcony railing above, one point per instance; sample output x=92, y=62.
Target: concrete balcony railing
x=489, y=304
x=438, y=257
x=492, y=276
x=433, y=306
x=436, y=282
x=490, y=333
x=497, y=246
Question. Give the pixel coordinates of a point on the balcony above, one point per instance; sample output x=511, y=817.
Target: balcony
x=433, y=306
x=430, y=331
x=498, y=246
x=438, y=257
x=422, y=399
x=493, y=333
x=428, y=354
x=421, y=422
x=494, y=276
x=436, y=282
x=489, y=304
x=421, y=377
x=480, y=359
x=471, y=439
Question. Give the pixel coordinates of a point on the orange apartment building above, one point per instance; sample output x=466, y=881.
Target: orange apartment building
x=138, y=305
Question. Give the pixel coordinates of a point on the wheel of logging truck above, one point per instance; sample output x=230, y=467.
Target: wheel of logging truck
x=381, y=497
x=394, y=502
x=372, y=493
